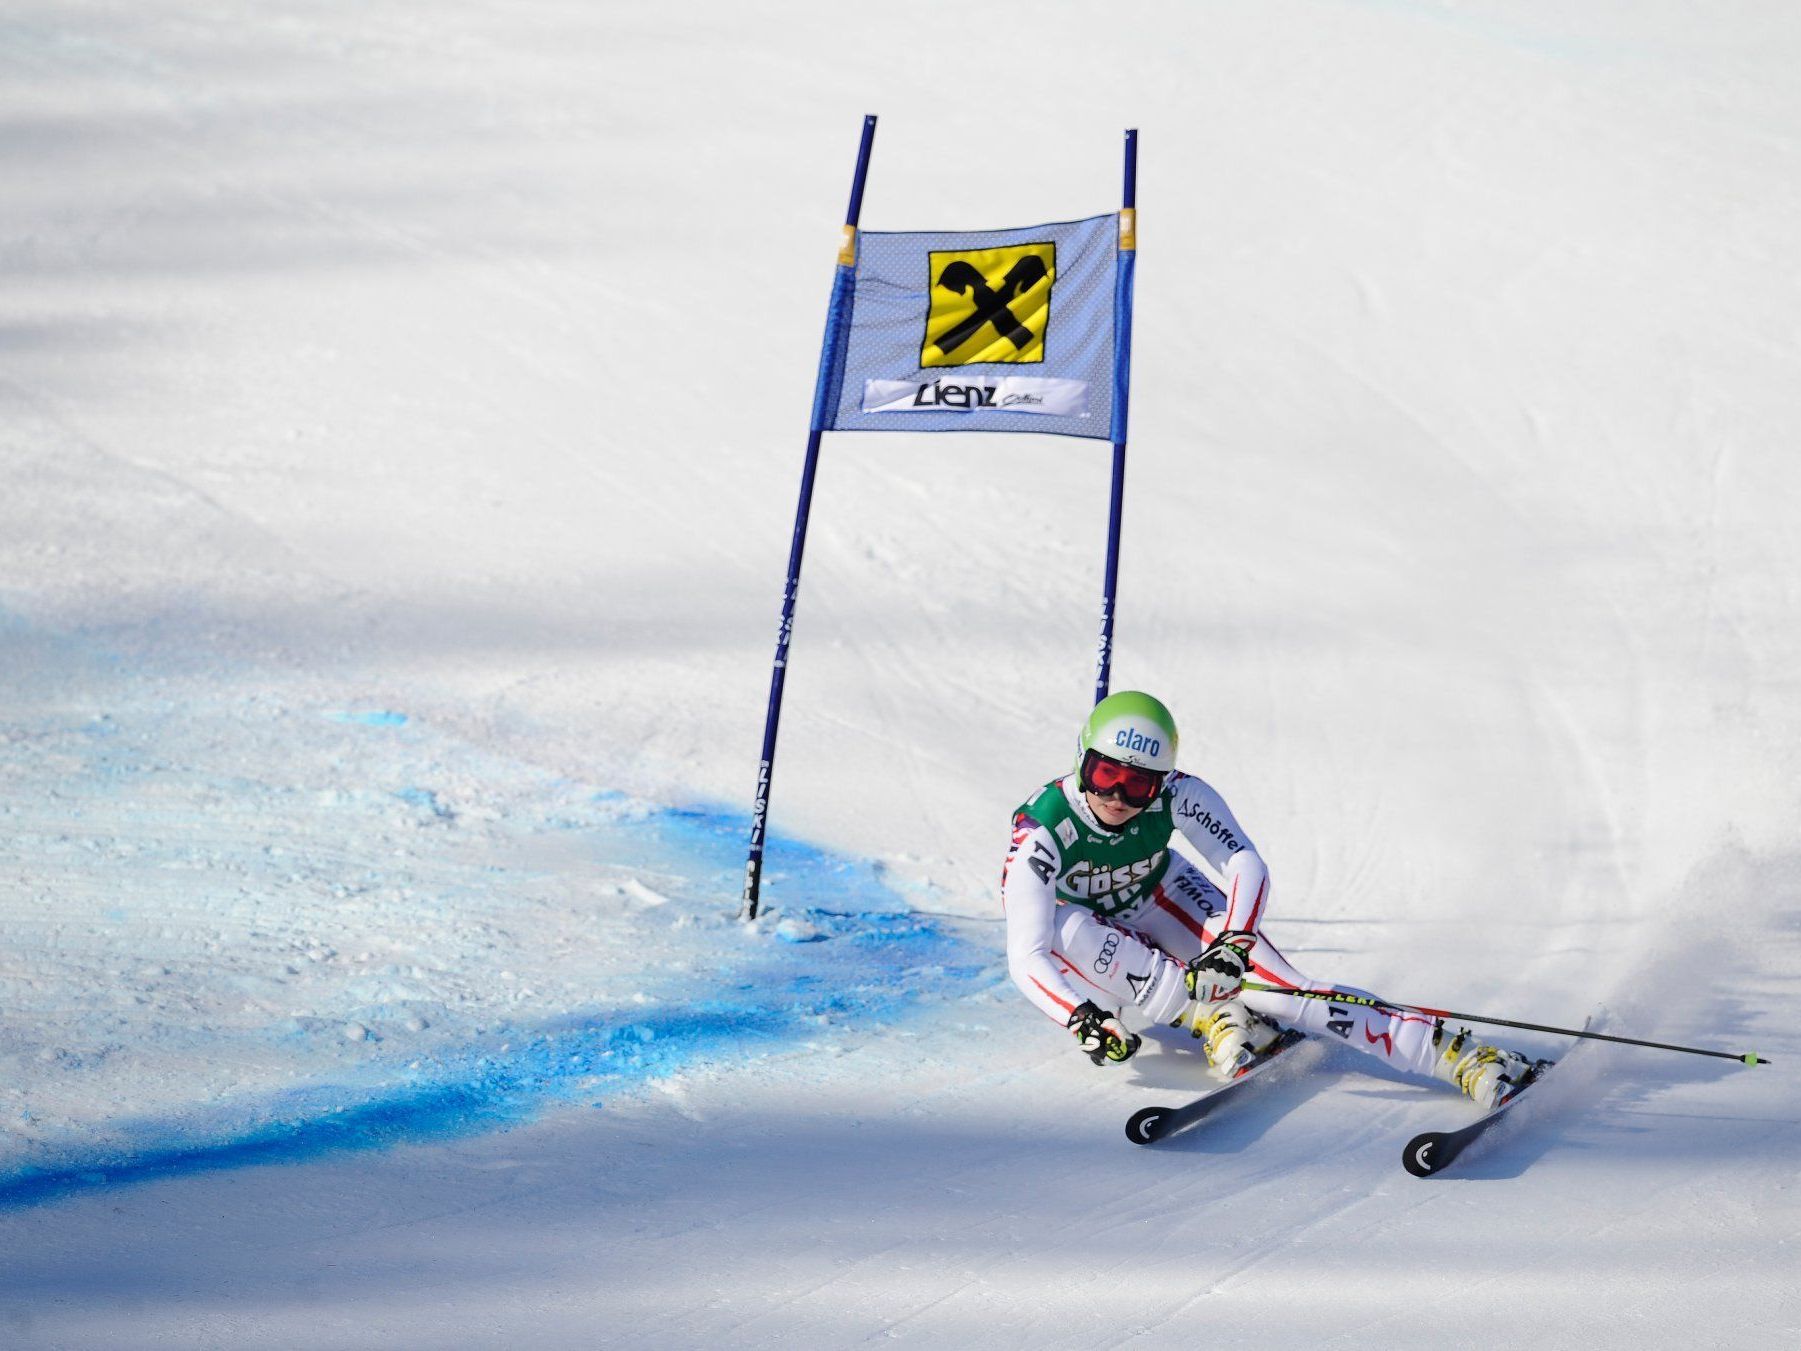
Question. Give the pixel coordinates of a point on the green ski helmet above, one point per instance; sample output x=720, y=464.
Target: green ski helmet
x=1132, y=728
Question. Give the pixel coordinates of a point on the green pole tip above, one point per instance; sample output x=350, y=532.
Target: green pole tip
x=1751, y=1058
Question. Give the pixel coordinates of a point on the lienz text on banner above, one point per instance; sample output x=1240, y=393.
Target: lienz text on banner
x=994, y=330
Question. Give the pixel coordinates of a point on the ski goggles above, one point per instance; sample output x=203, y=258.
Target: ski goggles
x=1136, y=786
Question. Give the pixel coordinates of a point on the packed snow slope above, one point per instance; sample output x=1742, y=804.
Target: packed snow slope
x=402, y=412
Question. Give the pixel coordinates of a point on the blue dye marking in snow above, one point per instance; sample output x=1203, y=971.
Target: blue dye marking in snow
x=379, y=717
x=567, y=1062
x=712, y=841
x=426, y=1115
x=878, y=964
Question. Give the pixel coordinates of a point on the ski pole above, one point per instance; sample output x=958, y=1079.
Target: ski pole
x=1341, y=997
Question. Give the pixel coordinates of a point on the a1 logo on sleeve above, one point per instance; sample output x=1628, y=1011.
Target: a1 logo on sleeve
x=988, y=304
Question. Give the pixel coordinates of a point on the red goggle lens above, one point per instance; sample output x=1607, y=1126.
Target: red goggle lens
x=1137, y=786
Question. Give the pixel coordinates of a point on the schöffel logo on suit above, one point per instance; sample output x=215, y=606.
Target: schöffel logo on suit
x=1208, y=822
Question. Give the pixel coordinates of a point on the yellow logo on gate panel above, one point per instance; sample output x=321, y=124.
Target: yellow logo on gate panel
x=989, y=305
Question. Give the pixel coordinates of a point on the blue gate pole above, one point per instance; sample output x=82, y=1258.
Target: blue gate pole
x=753, y=865
x=1122, y=323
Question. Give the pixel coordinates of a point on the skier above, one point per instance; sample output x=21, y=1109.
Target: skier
x=1100, y=908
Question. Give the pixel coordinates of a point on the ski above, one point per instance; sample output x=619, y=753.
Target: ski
x=1150, y=1124
x=1433, y=1151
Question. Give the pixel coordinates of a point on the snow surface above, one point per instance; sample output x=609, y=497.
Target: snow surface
x=402, y=412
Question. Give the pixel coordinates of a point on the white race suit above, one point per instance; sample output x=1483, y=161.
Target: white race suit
x=1115, y=916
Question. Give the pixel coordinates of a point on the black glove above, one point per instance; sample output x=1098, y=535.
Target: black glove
x=1216, y=975
x=1101, y=1034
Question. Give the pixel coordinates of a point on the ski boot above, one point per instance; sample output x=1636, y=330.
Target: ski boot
x=1485, y=1073
x=1233, y=1034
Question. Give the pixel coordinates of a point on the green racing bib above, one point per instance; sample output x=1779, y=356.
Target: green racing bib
x=1104, y=871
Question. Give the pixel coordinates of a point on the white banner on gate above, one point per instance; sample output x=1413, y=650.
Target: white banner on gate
x=978, y=394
